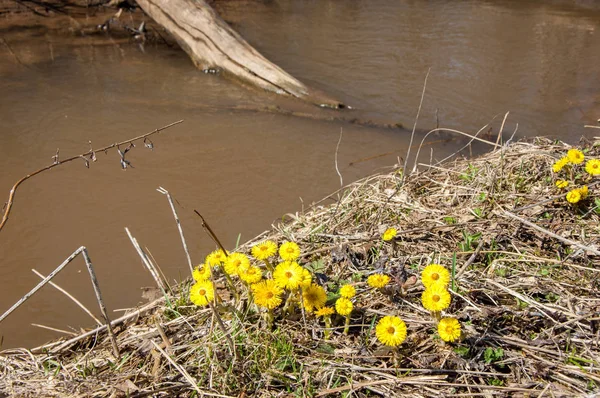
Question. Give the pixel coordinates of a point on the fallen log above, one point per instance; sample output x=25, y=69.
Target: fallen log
x=214, y=45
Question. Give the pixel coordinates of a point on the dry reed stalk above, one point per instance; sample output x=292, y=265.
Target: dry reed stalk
x=412, y=134
x=42, y=283
x=179, y=228
x=63, y=291
x=147, y=263
x=111, y=335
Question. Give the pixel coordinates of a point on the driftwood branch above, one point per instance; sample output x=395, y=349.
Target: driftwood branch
x=213, y=45
x=57, y=162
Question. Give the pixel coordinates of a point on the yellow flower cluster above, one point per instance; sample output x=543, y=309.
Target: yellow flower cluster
x=577, y=194
x=436, y=298
x=291, y=283
x=576, y=157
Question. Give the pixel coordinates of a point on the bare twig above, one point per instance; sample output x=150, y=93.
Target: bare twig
x=336, y=158
x=185, y=248
x=111, y=335
x=412, y=135
x=57, y=163
x=42, y=283
x=37, y=325
x=63, y=291
x=210, y=232
x=59, y=346
x=551, y=234
x=147, y=263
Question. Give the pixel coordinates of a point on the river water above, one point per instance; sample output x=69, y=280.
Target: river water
x=241, y=168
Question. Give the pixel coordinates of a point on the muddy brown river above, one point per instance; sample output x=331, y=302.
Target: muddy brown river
x=243, y=169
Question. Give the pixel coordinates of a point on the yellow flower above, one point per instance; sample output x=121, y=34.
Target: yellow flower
x=216, y=258
x=391, y=331
x=288, y=275
x=343, y=306
x=264, y=250
x=202, y=293
x=251, y=275
x=347, y=291
x=389, y=234
x=449, y=329
x=378, y=280
x=314, y=296
x=236, y=263
x=583, y=191
x=575, y=156
x=435, y=274
x=267, y=294
x=201, y=272
x=559, y=164
x=562, y=183
x=592, y=166
x=573, y=196
x=305, y=278
x=324, y=311
x=289, y=251
x=435, y=298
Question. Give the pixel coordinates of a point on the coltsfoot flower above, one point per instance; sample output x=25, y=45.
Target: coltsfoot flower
x=201, y=272
x=288, y=275
x=267, y=294
x=378, y=280
x=216, y=258
x=202, y=293
x=236, y=263
x=324, y=311
x=575, y=156
x=573, y=196
x=313, y=296
x=562, y=183
x=251, y=275
x=559, y=164
x=435, y=298
x=391, y=331
x=592, y=167
x=435, y=274
x=389, y=234
x=264, y=250
x=449, y=329
x=305, y=278
x=289, y=251
x=343, y=306
x=347, y=291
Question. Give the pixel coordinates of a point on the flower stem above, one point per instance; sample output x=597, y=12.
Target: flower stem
x=268, y=265
x=347, y=324
x=327, y=331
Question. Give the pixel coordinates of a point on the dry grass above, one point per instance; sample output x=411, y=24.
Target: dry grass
x=526, y=298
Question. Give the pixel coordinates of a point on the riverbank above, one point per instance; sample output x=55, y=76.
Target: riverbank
x=524, y=287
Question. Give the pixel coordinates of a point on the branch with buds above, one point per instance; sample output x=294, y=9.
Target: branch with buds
x=91, y=154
